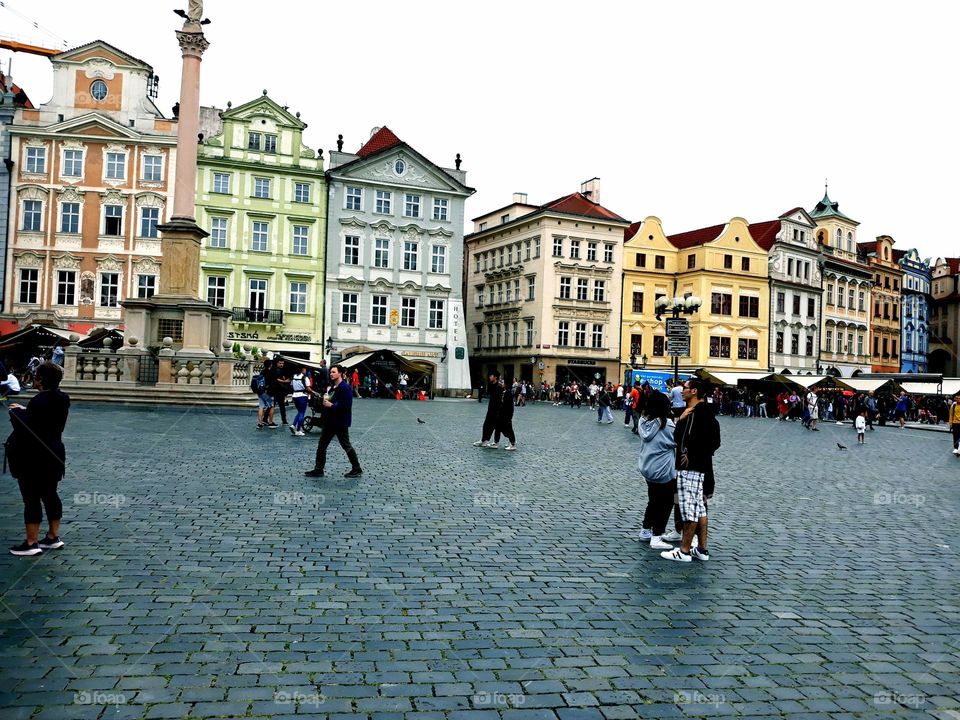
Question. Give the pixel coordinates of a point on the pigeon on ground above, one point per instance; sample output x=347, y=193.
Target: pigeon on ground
x=422, y=422
x=842, y=447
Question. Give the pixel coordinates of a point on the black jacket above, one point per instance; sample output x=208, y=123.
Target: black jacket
x=36, y=449
x=340, y=414
x=495, y=399
x=507, y=399
x=698, y=437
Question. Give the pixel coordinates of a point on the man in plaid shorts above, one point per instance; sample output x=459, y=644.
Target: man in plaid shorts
x=698, y=436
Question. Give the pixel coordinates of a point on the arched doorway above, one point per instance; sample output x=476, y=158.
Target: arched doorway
x=938, y=361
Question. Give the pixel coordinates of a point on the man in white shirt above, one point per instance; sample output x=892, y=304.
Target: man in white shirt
x=677, y=403
x=813, y=409
x=10, y=386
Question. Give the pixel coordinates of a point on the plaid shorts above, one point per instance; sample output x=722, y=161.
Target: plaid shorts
x=690, y=495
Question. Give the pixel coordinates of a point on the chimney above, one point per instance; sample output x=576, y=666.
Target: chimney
x=519, y=197
x=591, y=188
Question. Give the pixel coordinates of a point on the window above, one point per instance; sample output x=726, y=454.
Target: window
x=438, y=259
x=896, y=284
x=116, y=166
x=261, y=234
x=745, y=264
x=36, y=160
x=636, y=344
x=780, y=302
x=218, y=232
x=301, y=240
x=794, y=344
x=721, y=304
x=746, y=348
x=860, y=299
x=719, y=347
x=574, y=249
x=886, y=311
x=779, y=342
x=70, y=217
x=113, y=220
x=66, y=287
x=254, y=141
x=510, y=255
x=32, y=215
x=152, y=168
x=217, y=290
x=592, y=251
x=558, y=247
x=499, y=293
x=527, y=249
x=72, y=163
x=408, y=312
x=354, y=197
x=829, y=294
x=658, y=345
x=149, y=219
x=608, y=253
x=790, y=266
x=808, y=350
x=411, y=206
x=410, y=252
x=348, y=308
x=29, y=285
x=599, y=290
x=378, y=310
x=500, y=257
x=536, y=247
x=509, y=291
x=381, y=253
x=691, y=261
x=146, y=286
x=828, y=340
x=436, y=316
x=811, y=307
x=596, y=341
x=849, y=347
x=529, y=342
x=531, y=288
x=582, y=288
x=298, y=297
x=516, y=289
x=728, y=263
x=796, y=304
x=840, y=296
x=637, y=302
x=641, y=260
x=896, y=311
x=806, y=271
x=440, y=212
x=351, y=250
x=659, y=262
x=109, y=289
x=383, y=202
x=270, y=143
x=876, y=309
x=504, y=219
x=261, y=187
x=580, y=335
x=563, y=333
x=859, y=343
x=564, y=288
x=893, y=347
x=749, y=306
x=301, y=192
x=221, y=183
x=498, y=342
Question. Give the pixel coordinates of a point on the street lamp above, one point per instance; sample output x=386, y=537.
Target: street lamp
x=677, y=306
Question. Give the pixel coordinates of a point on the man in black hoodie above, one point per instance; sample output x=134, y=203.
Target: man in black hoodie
x=698, y=437
x=495, y=398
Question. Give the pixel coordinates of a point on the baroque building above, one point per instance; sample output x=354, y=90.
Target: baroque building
x=92, y=177
x=262, y=196
x=915, y=311
x=886, y=299
x=944, y=324
x=395, y=257
x=796, y=291
x=543, y=289
x=845, y=334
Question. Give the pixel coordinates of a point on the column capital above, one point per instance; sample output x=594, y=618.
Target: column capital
x=192, y=43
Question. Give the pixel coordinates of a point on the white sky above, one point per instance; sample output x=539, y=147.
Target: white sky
x=695, y=112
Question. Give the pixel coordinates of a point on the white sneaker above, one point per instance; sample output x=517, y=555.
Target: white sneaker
x=493, y=446
x=657, y=543
x=646, y=534
x=956, y=451
x=672, y=536
x=695, y=553
x=300, y=433
x=676, y=555
x=510, y=447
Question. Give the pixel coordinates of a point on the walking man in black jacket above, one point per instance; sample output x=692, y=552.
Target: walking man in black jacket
x=495, y=398
x=698, y=436
x=337, y=418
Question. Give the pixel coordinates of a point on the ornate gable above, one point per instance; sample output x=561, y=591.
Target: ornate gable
x=263, y=107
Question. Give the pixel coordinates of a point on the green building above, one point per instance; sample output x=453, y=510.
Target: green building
x=262, y=196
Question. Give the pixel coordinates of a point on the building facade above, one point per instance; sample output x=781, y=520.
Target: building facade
x=886, y=301
x=11, y=97
x=844, y=349
x=262, y=196
x=92, y=178
x=544, y=289
x=915, y=311
x=944, y=325
x=796, y=291
x=395, y=257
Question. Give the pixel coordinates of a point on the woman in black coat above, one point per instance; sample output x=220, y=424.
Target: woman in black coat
x=36, y=456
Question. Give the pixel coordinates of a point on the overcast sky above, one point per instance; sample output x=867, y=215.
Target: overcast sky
x=695, y=112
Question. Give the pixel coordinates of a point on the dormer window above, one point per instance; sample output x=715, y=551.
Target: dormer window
x=399, y=167
x=98, y=90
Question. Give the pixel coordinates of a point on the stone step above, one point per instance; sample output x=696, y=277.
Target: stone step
x=178, y=394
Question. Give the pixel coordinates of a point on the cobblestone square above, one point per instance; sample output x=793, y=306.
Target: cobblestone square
x=205, y=577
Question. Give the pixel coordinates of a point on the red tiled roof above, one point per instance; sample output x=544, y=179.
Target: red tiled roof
x=954, y=264
x=867, y=246
x=19, y=96
x=579, y=204
x=631, y=231
x=898, y=255
x=791, y=212
x=765, y=233
x=696, y=237
x=383, y=139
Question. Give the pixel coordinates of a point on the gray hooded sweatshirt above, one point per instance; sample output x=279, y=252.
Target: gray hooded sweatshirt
x=657, y=451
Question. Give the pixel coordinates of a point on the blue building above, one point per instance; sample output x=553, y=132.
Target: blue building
x=915, y=308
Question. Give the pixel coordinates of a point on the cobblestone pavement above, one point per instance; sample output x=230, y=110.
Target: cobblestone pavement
x=205, y=577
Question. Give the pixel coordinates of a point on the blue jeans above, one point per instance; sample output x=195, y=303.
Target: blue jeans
x=301, y=404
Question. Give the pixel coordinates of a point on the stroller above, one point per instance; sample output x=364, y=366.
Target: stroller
x=314, y=419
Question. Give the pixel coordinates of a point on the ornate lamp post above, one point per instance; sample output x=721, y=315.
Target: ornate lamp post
x=677, y=306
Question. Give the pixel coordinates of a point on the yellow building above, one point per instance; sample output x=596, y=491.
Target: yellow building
x=723, y=266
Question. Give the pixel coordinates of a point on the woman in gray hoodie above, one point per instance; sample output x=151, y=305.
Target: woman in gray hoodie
x=657, y=460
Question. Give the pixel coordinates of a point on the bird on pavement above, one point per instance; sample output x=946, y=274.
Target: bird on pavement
x=422, y=422
x=842, y=447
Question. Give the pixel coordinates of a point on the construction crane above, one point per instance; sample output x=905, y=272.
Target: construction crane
x=17, y=44
x=27, y=48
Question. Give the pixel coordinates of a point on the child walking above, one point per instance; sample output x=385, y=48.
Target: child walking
x=861, y=425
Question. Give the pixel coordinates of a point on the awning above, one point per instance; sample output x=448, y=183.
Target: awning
x=827, y=381
x=356, y=359
x=950, y=387
x=37, y=336
x=733, y=378
x=868, y=384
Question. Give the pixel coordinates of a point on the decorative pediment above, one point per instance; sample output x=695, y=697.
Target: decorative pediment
x=72, y=145
x=440, y=234
x=113, y=197
x=29, y=260
x=115, y=148
x=99, y=52
x=264, y=107
x=410, y=285
x=66, y=262
x=418, y=172
x=70, y=194
x=146, y=266
x=149, y=199
x=99, y=68
x=352, y=222
x=383, y=227
x=381, y=283
x=95, y=124
x=438, y=289
x=110, y=264
x=32, y=192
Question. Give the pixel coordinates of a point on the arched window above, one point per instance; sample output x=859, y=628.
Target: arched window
x=850, y=241
x=839, y=238
x=886, y=253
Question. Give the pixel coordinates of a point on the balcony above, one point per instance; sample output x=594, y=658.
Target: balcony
x=257, y=316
